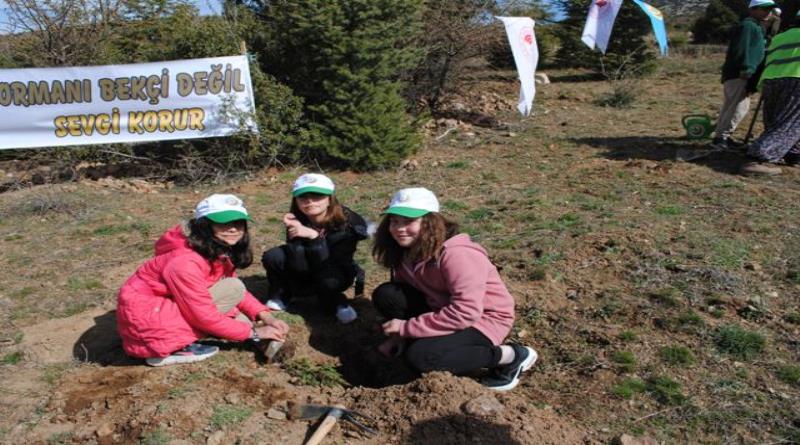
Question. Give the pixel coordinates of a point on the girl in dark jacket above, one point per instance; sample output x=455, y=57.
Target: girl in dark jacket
x=321, y=238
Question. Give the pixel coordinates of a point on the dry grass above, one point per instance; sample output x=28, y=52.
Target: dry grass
x=607, y=243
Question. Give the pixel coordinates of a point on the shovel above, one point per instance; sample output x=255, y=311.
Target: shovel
x=331, y=415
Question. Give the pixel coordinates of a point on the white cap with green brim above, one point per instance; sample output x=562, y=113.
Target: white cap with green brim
x=762, y=4
x=413, y=203
x=313, y=183
x=221, y=209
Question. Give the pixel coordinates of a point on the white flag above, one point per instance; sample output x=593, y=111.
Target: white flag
x=599, y=23
x=526, y=57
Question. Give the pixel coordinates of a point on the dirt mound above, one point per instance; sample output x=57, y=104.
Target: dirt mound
x=443, y=409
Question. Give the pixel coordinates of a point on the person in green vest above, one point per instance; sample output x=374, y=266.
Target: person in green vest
x=780, y=86
x=745, y=53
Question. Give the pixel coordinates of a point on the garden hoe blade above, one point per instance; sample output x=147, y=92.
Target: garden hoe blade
x=331, y=414
x=307, y=412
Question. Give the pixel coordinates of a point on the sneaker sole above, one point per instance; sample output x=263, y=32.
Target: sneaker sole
x=346, y=321
x=178, y=359
x=525, y=365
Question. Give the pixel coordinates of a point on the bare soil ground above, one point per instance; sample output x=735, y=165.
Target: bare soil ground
x=663, y=296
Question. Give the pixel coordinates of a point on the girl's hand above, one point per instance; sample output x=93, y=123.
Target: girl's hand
x=278, y=327
x=292, y=225
x=296, y=229
x=289, y=220
x=275, y=330
x=392, y=326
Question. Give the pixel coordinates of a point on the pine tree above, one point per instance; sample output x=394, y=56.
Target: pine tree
x=630, y=51
x=715, y=24
x=344, y=58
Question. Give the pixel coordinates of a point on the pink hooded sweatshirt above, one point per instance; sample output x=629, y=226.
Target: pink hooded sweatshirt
x=463, y=289
x=165, y=305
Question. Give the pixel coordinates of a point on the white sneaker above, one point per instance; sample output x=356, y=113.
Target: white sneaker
x=276, y=304
x=346, y=314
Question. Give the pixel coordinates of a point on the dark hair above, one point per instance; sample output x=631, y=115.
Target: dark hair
x=335, y=218
x=435, y=229
x=201, y=240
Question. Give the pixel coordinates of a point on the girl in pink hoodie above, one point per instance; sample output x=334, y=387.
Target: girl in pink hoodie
x=445, y=296
x=189, y=290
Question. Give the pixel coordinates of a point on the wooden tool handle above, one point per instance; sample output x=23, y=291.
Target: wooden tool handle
x=322, y=430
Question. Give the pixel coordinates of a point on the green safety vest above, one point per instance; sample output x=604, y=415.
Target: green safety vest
x=783, y=56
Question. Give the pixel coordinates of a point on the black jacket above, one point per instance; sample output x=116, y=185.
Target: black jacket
x=335, y=249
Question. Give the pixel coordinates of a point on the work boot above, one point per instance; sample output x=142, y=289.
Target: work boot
x=760, y=168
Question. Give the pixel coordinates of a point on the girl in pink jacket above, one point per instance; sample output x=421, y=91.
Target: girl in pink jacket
x=189, y=290
x=445, y=296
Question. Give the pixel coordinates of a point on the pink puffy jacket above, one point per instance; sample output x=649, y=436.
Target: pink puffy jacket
x=464, y=290
x=165, y=305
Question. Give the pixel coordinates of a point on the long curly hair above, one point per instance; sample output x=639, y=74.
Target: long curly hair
x=435, y=229
x=335, y=219
x=201, y=240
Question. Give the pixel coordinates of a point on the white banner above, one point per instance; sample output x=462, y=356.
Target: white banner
x=526, y=57
x=600, y=22
x=47, y=107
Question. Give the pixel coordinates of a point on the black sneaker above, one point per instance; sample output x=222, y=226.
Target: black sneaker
x=733, y=144
x=792, y=159
x=506, y=377
x=727, y=144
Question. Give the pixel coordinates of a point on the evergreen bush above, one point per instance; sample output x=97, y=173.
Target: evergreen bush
x=345, y=59
x=714, y=26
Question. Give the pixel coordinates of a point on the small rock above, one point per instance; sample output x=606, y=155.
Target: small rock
x=450, y=123
x=233, y=398
x=105, y=430
x=751, y=265
x=217, y=438
x=483, y=406
x=625, y=439
x=273, y=413
x=542, y=79
x=469, y=134
x=409, y=164
x=511, y=134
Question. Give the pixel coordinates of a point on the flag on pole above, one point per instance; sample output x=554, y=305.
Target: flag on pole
x=526, y=57
x=659, y=28
x=599, y=23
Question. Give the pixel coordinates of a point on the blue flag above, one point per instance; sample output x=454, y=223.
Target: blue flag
x=657, y=20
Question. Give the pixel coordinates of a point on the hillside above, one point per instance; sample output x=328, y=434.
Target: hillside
x=663, y=296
